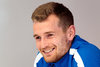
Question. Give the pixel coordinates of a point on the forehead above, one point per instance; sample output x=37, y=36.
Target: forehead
x=50, y=24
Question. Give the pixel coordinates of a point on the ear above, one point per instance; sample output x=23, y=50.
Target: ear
x=70, y=33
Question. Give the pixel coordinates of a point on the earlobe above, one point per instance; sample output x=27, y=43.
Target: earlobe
x=70, y=32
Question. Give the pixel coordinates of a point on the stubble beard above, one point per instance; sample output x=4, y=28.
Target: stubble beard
x=50, y=58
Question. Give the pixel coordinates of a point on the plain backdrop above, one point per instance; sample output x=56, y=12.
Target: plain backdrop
x=17, y=45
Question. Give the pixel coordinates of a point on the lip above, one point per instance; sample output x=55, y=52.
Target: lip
x=48, y=52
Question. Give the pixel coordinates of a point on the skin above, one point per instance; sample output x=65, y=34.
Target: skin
x=51, y=41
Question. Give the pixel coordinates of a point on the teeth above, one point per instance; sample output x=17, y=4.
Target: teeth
x=46, y=51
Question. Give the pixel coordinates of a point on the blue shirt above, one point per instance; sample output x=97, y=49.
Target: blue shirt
x=81, y=54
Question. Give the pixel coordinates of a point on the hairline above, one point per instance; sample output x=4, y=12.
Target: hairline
x=64, y=30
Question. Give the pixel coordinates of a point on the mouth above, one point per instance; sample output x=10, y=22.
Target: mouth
x=49, y=51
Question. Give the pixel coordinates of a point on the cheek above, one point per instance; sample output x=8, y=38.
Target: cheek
x=62, y=44
x=55, y=41
x=38, y=46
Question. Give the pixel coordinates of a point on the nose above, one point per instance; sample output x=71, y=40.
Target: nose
x=44, y=43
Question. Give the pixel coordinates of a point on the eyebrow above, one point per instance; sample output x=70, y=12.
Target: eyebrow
x=35, y=35
x=44, y=33
x=48, y=32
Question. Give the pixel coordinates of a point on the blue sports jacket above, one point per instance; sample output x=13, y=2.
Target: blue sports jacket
x=81, y=54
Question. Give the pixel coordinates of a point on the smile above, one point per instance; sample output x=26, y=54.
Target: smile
x=48, y=52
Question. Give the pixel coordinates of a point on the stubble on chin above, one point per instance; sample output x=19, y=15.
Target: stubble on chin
x=51, y=58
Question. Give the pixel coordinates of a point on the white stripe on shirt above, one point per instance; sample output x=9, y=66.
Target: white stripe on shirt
x=76, y=57
x=39, y=56
x=72, y=52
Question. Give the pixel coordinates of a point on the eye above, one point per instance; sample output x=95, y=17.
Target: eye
x=37, y=37
x=50, y=35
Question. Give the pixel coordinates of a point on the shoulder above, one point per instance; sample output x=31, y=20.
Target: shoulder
x=88, y=49
x=90, y=55
x=37, y=59
x=85, y=48
x=85, y=53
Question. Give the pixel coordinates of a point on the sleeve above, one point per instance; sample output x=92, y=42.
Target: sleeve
x=90, y=56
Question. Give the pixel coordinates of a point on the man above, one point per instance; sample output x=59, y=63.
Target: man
x=56, y=41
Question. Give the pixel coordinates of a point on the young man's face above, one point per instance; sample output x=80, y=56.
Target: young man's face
x=51, y=41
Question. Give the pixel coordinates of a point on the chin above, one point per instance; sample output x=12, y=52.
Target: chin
x=50, y=59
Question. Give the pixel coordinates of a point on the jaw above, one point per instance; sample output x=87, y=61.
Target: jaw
x=50, y=55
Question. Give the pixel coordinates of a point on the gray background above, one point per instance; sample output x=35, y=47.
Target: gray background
x=17, y=46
